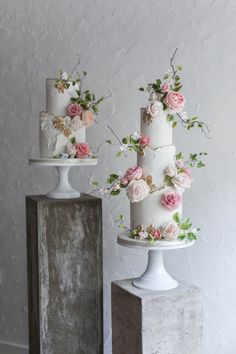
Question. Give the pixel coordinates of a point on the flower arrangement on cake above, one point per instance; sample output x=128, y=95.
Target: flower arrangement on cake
x=69, y=111
x=155, y=186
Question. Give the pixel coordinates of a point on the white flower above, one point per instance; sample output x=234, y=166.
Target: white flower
x=154, y=108
x=116, y=187
x=143, y=235
x=71, y=150
x=64, y=76
x=137, y=190
x=184, y=115
x=170, y=171
x=182, y=180
x=76, y=123
x=136, y=135
x=170, y=231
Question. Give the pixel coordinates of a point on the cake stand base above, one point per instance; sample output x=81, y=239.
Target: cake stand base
x=155, y=276
x=63, y=189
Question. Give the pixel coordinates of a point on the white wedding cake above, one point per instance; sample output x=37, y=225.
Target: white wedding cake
x=69, y=111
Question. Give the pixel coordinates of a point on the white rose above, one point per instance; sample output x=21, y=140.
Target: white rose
x=182, y=180
x=170, y=171
x=137, y=190
x=154, y=108
x=71, y=150
x=64, y=76
x=76, y=123
x=170, y=231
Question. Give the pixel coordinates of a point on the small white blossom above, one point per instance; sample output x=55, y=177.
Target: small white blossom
x=64, y=76
x=123, y=147
x=136, y=135
x=143, y=235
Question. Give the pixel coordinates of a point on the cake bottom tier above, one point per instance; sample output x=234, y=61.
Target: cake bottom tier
x=150, y=211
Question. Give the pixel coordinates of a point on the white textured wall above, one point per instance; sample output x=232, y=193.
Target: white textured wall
x=123, y=45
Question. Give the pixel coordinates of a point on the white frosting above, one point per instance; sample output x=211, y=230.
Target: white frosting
x=52, y=142
x=151, y=211
x=57, y=102
x=159, y=130
x=154, y=162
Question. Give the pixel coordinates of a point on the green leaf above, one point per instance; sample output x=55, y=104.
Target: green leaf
x=73, y=99
x=108, y=141
x=200, y=164
x=73, y=140
x=141, y=89
x=112, y=178
x=179, y=68
x=125, y=140
x=179, y=156
x=181, y=236
x=78, y=92
x=85, y=73
x=119, y=154
x=177, y=218
x=185, y=226
x=115, y=192
x=174, y=124
x=95, y=184
x=169, y=117
x=177, y=88
x=191, y=236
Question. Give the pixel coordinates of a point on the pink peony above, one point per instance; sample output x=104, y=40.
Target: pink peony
x=82, y=150
x=170, y=231
x=171, y=199
x=144, y=140
x=137, y=190
x=87, y=118
x=165, y=87
x=175, y=101
x=182, y=180
x=133, y=173
x=74, y=109
x=156, y=234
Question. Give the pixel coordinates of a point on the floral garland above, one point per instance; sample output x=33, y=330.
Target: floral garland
x=165, y=96
x=177, y=228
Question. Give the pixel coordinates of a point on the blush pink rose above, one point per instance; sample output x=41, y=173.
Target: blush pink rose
x=124, y=181
x=137, y=190
x=156, y=234
x=170, y=231
x=175, y=101
x=71, y=150
x=74, y=109
x=144, y=140
x=135, y=172
x=87, y=118
x=82, y=150
x=165, y=87
x=171, y=199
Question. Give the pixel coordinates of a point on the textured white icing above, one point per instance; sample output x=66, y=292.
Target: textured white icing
x=57, y=102
x=52, y=142
x=151, y=211
x=159, y=131
x=154, y=162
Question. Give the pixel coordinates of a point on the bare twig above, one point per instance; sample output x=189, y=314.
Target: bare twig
x=171, y=63
x=108, y=126
x=203, y=126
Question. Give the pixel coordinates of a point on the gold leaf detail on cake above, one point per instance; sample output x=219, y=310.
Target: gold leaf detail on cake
x=150, y=229
x=67, y=132
x=148, y=179
x=147, y=118
x=58, y=123
x=153, y=188
x=60, y=85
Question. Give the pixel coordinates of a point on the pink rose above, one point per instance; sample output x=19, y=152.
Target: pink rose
x=175, y=101
x=82, y=150
x=154, y=109
x=137, y=190
x=74, y=109
x=156, y=234
x=87, y=118
x=182, y=180
x=144, y=140
x=171, y=199
x=165, y=87
x=124, y=181
x=170, y=231
x=133, y=173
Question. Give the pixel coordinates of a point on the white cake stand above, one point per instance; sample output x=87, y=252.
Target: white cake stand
x=63, y=189
x=155, y=276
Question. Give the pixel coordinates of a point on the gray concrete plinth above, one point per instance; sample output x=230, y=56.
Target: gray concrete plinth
x=156, y=322
x=64, y=247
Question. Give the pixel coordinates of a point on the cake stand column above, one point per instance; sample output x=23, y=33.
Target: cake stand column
x=155, y=276
x=63, y=188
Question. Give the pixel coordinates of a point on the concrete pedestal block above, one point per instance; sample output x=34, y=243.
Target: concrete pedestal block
x=64, y=246
x=156, y=322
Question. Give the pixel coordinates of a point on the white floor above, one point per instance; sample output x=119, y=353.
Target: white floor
x=12, y=349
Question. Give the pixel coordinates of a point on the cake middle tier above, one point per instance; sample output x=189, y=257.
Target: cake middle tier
x=155, y=161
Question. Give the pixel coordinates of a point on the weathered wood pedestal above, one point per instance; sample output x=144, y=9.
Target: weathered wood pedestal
x=64, y=245
x=156, y=322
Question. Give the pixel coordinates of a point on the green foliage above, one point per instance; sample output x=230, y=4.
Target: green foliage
x=115, y=192
x=73, y=140
x=109, y=141
x=179, y=156
x=95, y=184
x=177, y=218
x=112, y=178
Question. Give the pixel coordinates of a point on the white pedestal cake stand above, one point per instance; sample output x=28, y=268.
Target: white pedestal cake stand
x=155, y=276
x=63, y=189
